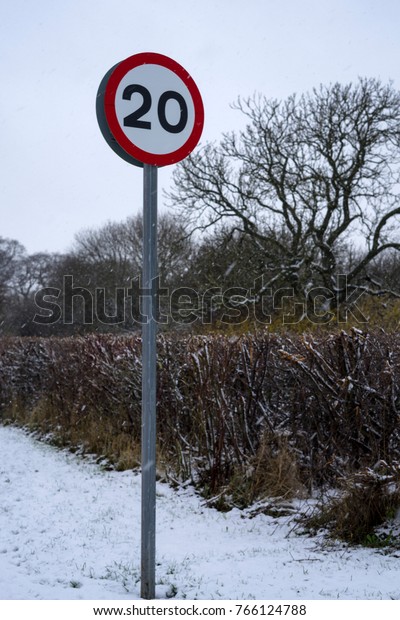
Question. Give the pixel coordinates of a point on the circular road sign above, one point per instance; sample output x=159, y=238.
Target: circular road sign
x=150, y=110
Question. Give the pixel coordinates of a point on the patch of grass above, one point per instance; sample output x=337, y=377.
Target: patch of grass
x=368, y=499
x=377, y=541
x=272, y=473
x=125, y=574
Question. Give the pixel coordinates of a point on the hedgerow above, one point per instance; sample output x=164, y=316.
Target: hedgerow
x=242, y=417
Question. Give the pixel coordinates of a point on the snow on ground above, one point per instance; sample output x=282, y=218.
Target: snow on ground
x=69, y=530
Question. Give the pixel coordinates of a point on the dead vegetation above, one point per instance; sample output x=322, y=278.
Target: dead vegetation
x=244, y=418
x=366, y=500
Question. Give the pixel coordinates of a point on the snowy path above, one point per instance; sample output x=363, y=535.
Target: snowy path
x=69, y=530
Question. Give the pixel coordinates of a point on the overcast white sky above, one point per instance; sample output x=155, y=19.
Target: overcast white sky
x=58, y=175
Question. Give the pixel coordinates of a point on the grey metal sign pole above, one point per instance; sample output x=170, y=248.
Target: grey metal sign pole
x=149, y=331
x=160, y=137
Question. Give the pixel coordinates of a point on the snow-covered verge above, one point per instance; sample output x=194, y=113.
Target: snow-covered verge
x=70, y=530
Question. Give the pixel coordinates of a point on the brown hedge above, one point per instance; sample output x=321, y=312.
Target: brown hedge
x=333, y=400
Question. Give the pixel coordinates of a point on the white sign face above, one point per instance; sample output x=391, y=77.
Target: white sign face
x=153, y=109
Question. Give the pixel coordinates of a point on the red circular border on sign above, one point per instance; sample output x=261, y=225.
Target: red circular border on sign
x=114, y=80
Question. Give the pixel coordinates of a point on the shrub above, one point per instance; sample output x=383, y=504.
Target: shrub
x=366, y=500
x=271, y=473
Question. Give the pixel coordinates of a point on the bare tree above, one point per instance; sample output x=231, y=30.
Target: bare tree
x=11, y=253
x=306, y=178
x=117, y=248
x=32, y=272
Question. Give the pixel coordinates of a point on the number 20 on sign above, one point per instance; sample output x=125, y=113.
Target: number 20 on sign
x=151, y=114
x=150, y=110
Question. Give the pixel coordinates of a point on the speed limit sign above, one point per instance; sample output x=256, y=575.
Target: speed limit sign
x=150, y=110
x=151, y=114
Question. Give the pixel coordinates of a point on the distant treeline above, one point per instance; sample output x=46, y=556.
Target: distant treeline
x=214, y=281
